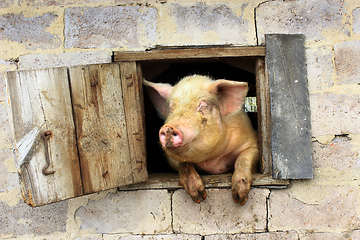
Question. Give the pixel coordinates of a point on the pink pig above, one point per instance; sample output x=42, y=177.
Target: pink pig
x=206, y=128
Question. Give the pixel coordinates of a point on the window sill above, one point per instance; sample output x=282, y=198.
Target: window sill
x=170, y=181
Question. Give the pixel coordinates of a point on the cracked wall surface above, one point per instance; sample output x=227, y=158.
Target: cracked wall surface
x=41, y=34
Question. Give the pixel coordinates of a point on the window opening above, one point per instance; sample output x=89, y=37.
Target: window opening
x=243, y=71
x=154, y=62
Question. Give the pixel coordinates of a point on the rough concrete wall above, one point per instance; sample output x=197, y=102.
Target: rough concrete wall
x=40, y=34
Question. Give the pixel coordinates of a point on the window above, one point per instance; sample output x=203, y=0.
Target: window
x=170, y=65
x=283, y=118
x=80, y=130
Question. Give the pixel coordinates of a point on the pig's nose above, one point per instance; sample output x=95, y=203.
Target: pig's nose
x=170, y=136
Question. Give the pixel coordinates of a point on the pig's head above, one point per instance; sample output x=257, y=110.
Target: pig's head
x=194, y=111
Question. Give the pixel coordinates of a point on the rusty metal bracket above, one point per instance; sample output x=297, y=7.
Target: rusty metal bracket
x=46, y=135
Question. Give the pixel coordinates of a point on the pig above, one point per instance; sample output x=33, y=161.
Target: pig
x=207, y=129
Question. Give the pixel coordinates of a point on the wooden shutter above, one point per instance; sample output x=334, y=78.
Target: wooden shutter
x=40, y=101
x=290, y=130
x=91, y=143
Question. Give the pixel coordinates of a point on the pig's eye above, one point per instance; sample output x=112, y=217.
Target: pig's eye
x=203, y=106
x=171, y=109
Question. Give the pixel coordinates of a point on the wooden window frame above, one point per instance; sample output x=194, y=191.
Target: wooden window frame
x=215, y=53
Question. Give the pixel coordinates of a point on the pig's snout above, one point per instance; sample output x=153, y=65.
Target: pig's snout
x=170, y=136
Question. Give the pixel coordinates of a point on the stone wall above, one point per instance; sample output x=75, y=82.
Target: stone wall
x=41, y=34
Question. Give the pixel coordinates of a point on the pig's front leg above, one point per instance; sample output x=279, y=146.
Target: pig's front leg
x=192, y=182
x=245, y=165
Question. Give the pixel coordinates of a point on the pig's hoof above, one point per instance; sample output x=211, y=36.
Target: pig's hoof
x=198, y=197
x=195, y=189
x=240, y=190
x=193, y=184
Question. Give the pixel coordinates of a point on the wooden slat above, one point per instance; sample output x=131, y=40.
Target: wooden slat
x=40, y=101
x=289, y=104
x=101, y=126
x=131, y=80
x=263, y=103
x=190, y=53
x=170, y=181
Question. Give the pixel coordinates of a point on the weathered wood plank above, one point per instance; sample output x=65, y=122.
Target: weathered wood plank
x=100, y=126
x=40, y=101
x=170, y=181
x=131, y=80
x=263, y=103
x=190, y=53
x=289, y=104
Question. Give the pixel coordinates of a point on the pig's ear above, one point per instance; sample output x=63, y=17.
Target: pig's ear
x=231, y=94
x=159, y=93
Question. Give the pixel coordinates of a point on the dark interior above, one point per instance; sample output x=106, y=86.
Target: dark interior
x=172, y=73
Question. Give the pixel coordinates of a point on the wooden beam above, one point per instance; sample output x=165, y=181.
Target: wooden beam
x=190, y=53
x=263, y=104
x=170, y=181
x=131, y=81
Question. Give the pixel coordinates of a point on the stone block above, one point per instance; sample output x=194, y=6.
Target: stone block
x=138, y=212
x=340, y=148
x=110, y=27
x=334, y=114
x=219, y=213
x=320, y=68
x=25, y=220
x=320, y=208
x=356, y=20
x=46, y=3
x=151, y=237
x=300, y=17
x=9, y=178
x=256, y=236
x=90, y=237
x=30, y=31
x=123, y=2
x=204, y=23
x=347, y=62
x=333, y=236
x=355, y=234
x=6, y=3
x=8, y=65
x=38, y=61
